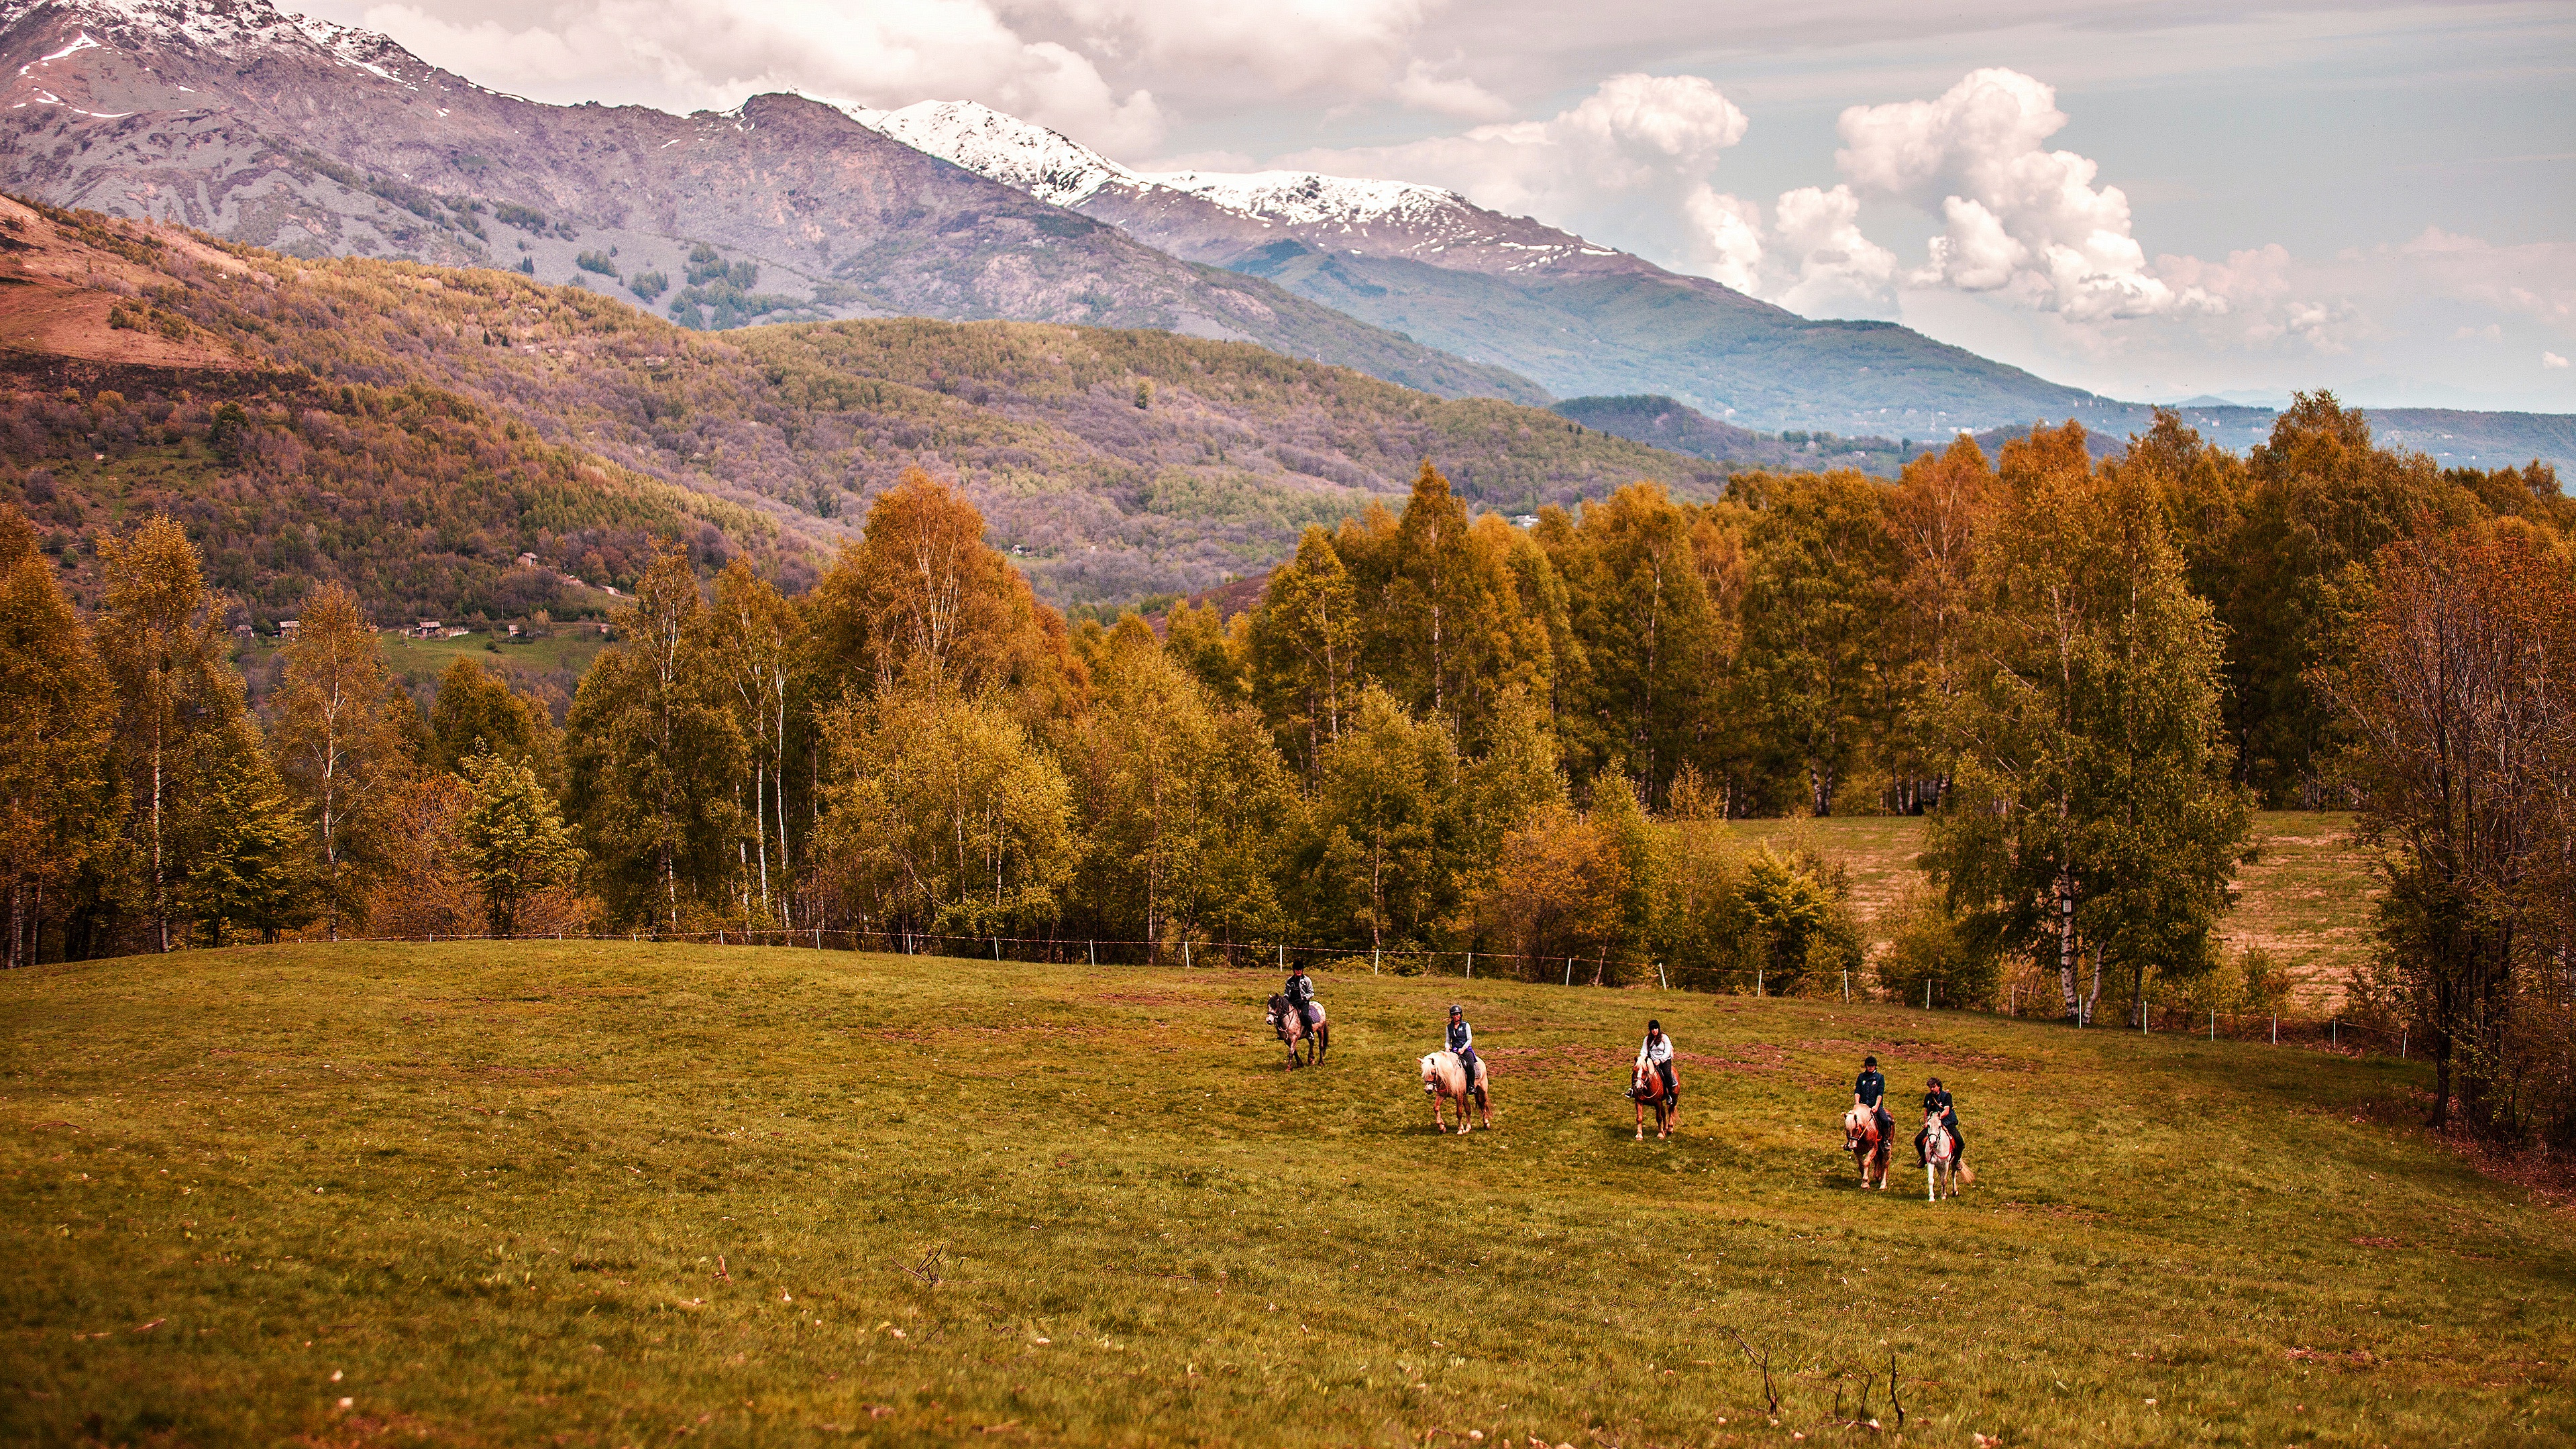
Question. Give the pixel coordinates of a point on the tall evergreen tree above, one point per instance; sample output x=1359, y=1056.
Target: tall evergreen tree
x=513, y=839
x=58, y=811
x=1819, y=600
x=478, y=712
x=245, y=839
x=1305, y=650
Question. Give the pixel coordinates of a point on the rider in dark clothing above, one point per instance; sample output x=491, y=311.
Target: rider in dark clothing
x=1301, y=994
x=1871, y=1092
x=1936, y=1098
x=1462, y=1040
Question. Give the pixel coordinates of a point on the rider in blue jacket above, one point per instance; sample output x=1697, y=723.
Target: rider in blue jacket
x=1462, y=1040
x=1871, y=1091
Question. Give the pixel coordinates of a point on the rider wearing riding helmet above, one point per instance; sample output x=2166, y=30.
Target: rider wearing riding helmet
x=1871, y=1092
x=1936, y=1098
x=1301, y=994
x=1657, y=1052
x=1462, y=1040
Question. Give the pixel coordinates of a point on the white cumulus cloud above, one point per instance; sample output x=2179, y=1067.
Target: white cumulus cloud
x=1641, y=141
x=712, y=53
x=2552, y=360
x=2016, y=216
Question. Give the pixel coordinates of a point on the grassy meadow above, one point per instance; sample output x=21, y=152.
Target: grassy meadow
x=2305, y=897
x=604, y=1194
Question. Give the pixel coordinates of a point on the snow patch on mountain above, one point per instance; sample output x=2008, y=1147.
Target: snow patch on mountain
x=999, y=147
x=233, y=26
x=1307, y=198
x=1063, y=172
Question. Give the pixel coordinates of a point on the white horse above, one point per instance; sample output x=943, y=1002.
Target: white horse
x=1940, y=1159
x=1444, y=1080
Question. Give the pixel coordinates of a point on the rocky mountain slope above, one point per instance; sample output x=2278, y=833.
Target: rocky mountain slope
x=317, y=140
x=1580, y=318
x=415, y=429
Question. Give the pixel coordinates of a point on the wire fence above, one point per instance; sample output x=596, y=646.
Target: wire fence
x=2335, y=1033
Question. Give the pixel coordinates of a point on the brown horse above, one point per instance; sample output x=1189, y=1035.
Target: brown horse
x=1293, y=1032
x=1646, y=1089
x=1868, y=1149
x=1444, y=1080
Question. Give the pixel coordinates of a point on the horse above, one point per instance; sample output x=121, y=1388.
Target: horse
x=1444, y=1080
x=1291, y=1026
x=1940, y=1159
x=1868, y=1149
x=1646, y=1089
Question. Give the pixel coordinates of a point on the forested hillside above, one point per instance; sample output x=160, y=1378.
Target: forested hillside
x=1110, y=464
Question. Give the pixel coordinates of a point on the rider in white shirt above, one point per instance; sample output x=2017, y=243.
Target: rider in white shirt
x=1657, y=1052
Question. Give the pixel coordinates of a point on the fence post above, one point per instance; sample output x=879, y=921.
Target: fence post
x=1927, y=993
x=1846, y=986
x=2276, y=1028
x=1185, y=953
x=1471, y=965
x=1757, y=983
x=2401, y=1042
x=1661, y=979
x=1091, y=953
x=1569, y=971
x=1283, y=955
x=2334, y=1031
x=2012, y=1001
x=2213, y=1026
x=1372, y=960
x=997, y=948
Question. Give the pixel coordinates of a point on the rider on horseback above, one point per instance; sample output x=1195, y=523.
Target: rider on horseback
x=1462, y=1040
x=1871, y=1092
x=1657, y=1052
x=1301, y=994
x=1936, y=1098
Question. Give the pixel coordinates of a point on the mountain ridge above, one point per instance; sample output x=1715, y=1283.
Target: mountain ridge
x=234, y=117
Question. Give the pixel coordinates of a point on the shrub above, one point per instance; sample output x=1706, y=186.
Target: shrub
x=596, y=262
x=525, y=218
x=648, y=285
x=1926, y=945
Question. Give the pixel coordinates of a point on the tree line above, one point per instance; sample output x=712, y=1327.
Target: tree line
x=1436, y=730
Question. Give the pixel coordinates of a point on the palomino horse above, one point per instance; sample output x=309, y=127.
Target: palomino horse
x=1444, y=1080
x=1868, y=1149
x=1293, y=1032
x=1940, y=1159
x=1646, y=1089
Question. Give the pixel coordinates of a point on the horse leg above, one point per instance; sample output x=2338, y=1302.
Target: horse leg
x=1641, y=1119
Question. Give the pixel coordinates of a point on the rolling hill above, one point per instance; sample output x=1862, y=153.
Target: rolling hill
x=414, y=429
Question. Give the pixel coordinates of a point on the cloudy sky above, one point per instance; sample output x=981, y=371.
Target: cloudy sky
x=2153, y=200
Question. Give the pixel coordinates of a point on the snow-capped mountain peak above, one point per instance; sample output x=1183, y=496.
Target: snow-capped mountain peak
x=1003, y=148
x=233, y=27
x=1305, y=198
x=1064, y=172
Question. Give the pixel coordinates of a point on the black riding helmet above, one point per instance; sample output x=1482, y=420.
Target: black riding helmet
x=1456, y=1010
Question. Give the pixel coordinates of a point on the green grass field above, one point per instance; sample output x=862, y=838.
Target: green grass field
x=614, y=1195
x=2305, y=897
x=569, y=648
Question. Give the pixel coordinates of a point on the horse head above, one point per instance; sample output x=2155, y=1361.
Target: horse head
x=1859, y=1125
x=1936, y=1138
x=1433, y=1071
